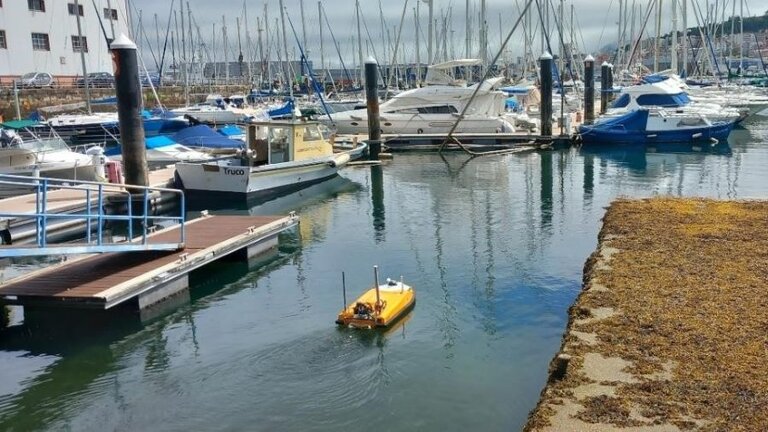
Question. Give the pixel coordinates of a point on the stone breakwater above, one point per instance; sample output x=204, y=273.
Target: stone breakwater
x=31, y=100
x=670, y=332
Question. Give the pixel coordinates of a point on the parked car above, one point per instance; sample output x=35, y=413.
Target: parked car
x=153, y=77
x=37, y=80
x=97, y=80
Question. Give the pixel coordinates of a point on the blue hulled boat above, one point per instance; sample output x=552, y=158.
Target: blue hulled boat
x=643, y=127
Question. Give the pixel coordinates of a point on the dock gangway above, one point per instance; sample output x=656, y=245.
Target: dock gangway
x=133, y=213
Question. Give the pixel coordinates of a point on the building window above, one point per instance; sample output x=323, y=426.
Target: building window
x=77, y=46
x=36, y=5
x=40, y=42
x=110, y=14
x=71, y=7
x=3, y=43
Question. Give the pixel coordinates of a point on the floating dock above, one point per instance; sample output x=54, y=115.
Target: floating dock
x=670, y=331
x=479, y=142
x=146, y=278
x=20, y=230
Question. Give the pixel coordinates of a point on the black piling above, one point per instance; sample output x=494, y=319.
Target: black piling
x=372, y=98
x=589, y=89
x=604, y=87
x=128, y=92
x=545, y=66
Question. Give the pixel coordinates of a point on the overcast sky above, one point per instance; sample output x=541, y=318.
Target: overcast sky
x=595, y=24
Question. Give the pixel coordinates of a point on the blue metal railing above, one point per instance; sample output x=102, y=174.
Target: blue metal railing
x=100, y=194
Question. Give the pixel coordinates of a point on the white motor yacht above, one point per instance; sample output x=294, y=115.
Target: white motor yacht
x=435, y=107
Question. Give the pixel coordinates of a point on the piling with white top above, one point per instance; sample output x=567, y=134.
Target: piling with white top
x=589, y=89
x=605, y=69
x=545, y=67
x=128, y=92
x=372, y=103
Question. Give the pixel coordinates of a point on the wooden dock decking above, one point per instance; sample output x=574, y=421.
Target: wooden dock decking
x=103, y=281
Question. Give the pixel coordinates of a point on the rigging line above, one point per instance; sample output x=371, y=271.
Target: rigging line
x=373, y=48
x=336, y=45
x=479, y=84
x=560, y=27
x=640, y=34
x=549, y=48
x=311, y=73
x=165, y=44
x=605, y=24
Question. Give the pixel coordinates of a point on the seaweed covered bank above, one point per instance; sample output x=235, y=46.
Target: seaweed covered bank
x=670, y=331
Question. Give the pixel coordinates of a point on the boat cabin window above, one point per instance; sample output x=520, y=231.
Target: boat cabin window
x=408, y=111
x=663, y=100
x=441, y=109
x=312, y=133
x=280, y=144
x=621, y=102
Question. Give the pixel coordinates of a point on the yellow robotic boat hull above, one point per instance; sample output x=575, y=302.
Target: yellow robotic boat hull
x=380, y=306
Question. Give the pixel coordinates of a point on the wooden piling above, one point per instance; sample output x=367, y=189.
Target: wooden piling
x=604, y=87
x=372, y=102
x=545, y=62
x=128, y=92
x=589, y=90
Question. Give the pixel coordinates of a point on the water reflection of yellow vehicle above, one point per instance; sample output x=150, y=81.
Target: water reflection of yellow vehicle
x=380, y=306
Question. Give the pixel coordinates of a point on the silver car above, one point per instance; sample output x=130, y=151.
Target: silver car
x=37, y=80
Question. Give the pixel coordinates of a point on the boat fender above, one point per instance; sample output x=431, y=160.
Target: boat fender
x=339, y=160
x=696, y=135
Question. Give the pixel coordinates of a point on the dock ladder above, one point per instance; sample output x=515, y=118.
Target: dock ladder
x=92, y=213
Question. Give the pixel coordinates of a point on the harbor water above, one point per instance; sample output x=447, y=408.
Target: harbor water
x=494, y=248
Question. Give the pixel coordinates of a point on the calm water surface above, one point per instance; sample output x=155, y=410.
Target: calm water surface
x=494, y=247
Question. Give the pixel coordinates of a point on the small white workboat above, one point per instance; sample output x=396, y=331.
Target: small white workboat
x=280, y=155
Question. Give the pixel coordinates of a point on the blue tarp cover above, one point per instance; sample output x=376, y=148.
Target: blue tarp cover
x=204, y=136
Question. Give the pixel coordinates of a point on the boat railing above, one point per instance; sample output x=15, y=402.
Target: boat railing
x=94, y=205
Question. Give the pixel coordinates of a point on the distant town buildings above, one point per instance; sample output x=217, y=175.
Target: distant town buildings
x=42, y=36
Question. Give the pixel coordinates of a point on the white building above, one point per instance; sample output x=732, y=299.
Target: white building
x=41, y=36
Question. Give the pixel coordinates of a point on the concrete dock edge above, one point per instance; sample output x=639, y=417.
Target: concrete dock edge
x=670, y=331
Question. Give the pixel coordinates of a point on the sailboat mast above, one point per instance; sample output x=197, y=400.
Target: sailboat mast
x=303, y=26
x=467, y=36
x=658, y=36
x=418, y=46
x=225, y=41
x=430, y=37
x=286, y=70
x=619, y=39
x=359, y=42
x=248, y=46
x=684, y=45
x=240, y=52
x=741, y=39
x=82, y=57
x=673, y=53
x=111, y=21
x=322, y=46
x=483, y=36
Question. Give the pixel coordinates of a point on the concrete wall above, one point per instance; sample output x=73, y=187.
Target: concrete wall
x=62, y=61
x=32, y=99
